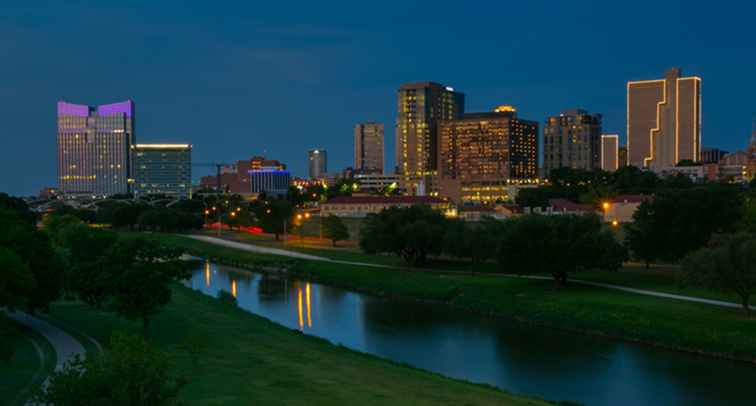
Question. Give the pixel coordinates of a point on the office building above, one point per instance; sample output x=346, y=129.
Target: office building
x=235, y=178
x=368, y=148
x=622, y=154
x=162, y=169
x=664, y=121
x=572, y=140
x=610, y=152
x=94, y=145
x=421, y=107
x=271, y=181
x=318, y=163
x=481, y=155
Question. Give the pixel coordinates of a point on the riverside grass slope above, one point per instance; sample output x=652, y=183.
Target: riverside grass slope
x=231, y=357
x=691, y=327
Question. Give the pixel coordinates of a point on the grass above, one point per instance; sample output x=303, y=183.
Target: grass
x=237, y=358
x=23, y=374
x=668, y=323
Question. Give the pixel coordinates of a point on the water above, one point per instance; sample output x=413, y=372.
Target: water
x=517, y=358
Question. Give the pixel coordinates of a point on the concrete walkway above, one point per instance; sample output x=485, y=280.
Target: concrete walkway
x=292, y=254
x=66, y=346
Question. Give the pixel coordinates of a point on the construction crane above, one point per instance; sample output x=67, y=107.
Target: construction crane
x=218, y=166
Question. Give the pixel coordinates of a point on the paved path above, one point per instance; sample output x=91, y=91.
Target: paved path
x=66, y=346
x=292, y=254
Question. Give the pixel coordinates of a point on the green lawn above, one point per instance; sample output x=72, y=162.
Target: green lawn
x=242, y=359
x=665, y=322
x=21, y=377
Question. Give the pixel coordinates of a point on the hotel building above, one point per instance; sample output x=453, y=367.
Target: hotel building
x=94, y=146
x=664, y=121
x=164, y=169
x=421, y=107
x=482, y=155
x=572, y=140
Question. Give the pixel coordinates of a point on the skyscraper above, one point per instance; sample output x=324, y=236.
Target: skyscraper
x=481, y=154
x=164, y=169
x=664, y=121
x=94, y=148
x=572, y=140
x=368, y=148
x=610, y=152
x=420, y=108
x=318, y=163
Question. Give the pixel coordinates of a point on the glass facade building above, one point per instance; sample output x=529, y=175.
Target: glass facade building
x=572, y=140
x=421, y=107
x=164, y=169
x=317, y=163
x=368, y=148
x=94, y=145
x=270, y=180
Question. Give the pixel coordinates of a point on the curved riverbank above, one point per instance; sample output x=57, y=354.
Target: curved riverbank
x=690, y=327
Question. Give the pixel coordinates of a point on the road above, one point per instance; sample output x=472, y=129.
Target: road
x=276, y=251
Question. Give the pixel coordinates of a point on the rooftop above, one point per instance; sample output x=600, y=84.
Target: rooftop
x=386, y=200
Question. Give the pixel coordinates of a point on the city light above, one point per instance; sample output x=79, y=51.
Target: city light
x=605, y=205
x=615, y=223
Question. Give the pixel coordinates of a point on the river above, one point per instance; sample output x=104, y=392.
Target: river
x=515, y=357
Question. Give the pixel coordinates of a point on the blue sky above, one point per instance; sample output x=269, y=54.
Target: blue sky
x=243, y=78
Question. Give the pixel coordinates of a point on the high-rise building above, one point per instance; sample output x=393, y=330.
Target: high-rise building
x=610, y=152
x=622, y=154
x=94, y=148
x=481, y=155
x=318, y=163
x=164, y=169
x=572, y=140
x=368, y=148
x=421, y=107
x=664, y=121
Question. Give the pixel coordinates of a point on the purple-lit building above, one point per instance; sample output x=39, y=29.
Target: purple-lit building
x=94, y=144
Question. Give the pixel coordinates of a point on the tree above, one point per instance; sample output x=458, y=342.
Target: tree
x=410, y=232
x=131, y=373
x=139, y=278
x=334, y=229
x=272, y=215
x=641, y=237
x=559, y=246
x=729, y=264
x=16, y=280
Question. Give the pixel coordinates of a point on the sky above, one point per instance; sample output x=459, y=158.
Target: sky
x=237, y=79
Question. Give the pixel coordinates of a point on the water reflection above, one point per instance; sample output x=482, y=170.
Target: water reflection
x=534, y=361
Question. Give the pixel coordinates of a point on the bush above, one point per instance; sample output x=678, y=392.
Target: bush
x=226, y=297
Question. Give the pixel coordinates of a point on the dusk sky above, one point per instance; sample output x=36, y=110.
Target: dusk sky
x=237, y=79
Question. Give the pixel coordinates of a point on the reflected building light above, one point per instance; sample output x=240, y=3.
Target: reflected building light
x=207, y=274
x=309, y=319
x=299, y=307
x=233, y=287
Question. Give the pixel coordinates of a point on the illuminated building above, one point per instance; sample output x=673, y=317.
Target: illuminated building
x=421, y=107
x=610, y=152
x=483, y=155
x=317, y=163
x=712, y=155
x=572, y=140
x=664, y=121
x=93, y=148
x=368, y=148
x=361, y=206
x=235, y=178
x=269, y=180
x=164, y=169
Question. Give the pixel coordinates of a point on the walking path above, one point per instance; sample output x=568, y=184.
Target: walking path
x=292, y=254
x=66, y=347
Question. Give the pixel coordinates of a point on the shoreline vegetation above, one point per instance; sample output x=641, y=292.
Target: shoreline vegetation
x=681, y=326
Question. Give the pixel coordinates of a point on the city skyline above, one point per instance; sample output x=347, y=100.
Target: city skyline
x=165, y=88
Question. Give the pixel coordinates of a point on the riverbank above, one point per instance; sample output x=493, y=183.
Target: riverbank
x=691, y=327
x=232, y=357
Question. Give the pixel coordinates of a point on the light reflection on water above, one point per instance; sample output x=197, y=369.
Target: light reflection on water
x=521, y=359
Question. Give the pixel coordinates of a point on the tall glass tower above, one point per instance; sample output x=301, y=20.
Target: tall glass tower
x=94, y=148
